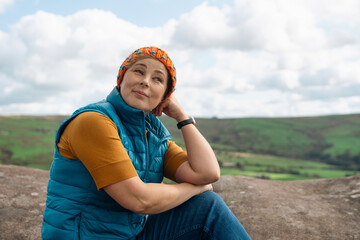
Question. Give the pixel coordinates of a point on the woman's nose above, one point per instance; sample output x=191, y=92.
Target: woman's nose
x=145, y=80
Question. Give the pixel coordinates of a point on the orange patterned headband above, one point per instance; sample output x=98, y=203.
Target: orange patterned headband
x=155, y=52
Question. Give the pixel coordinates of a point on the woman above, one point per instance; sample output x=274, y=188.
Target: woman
x=110, y=158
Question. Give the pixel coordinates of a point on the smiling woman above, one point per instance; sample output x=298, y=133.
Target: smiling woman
x=111, y=157
x=144, y=84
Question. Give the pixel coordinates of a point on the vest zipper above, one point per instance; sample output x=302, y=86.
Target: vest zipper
x=147, y=156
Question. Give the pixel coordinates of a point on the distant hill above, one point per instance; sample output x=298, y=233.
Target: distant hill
x=335, y=140
x=331, y=139
x=28, y=140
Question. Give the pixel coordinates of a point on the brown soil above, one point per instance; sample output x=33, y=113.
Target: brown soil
x=269, y=210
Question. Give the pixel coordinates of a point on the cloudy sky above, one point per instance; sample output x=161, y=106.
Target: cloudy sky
x=234, y=58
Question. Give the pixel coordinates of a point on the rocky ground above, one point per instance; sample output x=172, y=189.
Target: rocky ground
x=269, y=210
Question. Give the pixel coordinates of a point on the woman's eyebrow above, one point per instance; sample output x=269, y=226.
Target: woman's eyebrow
x=159, y=71
x=144, y=65
x=141, y=64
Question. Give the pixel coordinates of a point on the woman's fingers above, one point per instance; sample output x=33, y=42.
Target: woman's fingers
x=170, y=107
x=209, y=187
x=156, y=112
x=159, y=109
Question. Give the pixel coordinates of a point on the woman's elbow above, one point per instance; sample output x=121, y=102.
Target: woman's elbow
x=141, y=207
x=218, y=174
x=215, y=176
x=210, y=177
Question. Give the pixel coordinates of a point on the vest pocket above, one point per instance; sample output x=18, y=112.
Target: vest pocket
x=137, y=222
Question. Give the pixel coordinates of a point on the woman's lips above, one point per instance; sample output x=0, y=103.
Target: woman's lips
x=140, y=93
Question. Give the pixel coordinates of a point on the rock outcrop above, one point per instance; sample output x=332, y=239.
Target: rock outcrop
x=311, y=209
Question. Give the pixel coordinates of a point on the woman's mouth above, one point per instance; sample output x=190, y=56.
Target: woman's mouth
x=140, y=93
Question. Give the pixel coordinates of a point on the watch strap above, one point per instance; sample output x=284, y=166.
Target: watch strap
x=191, y=120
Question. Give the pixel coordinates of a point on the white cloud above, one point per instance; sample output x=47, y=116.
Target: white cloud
x=205, y=26
x=45, y=56
x=4, y=4
x=252, y=24
x=255, y=58
x=291, y=46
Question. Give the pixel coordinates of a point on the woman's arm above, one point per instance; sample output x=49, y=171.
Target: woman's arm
x=202, y=166
x=152, y=198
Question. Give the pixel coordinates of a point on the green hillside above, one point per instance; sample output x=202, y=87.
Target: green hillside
x=330, y=139
x=28, y=141
x=276, y=148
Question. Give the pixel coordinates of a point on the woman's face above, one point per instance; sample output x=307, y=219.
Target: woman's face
x=144, y=84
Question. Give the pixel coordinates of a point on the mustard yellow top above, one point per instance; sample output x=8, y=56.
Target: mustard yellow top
x=93, y=139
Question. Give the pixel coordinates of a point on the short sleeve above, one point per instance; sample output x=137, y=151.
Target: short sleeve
x=174, y=157
x=93, y=139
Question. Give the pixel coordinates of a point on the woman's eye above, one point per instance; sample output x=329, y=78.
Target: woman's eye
x=138, y=71
x=158, y=79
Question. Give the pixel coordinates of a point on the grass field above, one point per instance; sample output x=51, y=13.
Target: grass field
x=277, y=168
x=331, y=139
x=273, y=148
x=28, y=141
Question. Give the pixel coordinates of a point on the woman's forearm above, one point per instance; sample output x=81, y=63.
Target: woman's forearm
x=201, y=157
x=152, y=198
x=202, y=166
x=163, y=197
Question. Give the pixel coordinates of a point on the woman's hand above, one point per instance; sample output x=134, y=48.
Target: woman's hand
x=172, y=108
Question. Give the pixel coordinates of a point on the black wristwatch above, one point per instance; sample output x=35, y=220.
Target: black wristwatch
x=191, y=120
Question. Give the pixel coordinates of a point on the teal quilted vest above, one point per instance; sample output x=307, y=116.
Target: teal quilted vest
x=75, y=209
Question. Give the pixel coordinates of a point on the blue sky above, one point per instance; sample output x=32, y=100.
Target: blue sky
x=150, y=13
x=234, y=58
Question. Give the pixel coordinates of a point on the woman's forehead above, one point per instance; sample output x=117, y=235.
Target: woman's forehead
x=151, y=64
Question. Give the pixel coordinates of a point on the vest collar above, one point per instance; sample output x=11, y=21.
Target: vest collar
x=133, y=116
x=126, y=113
